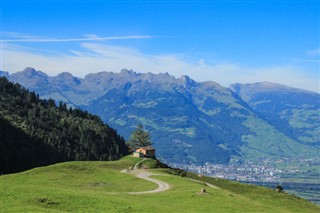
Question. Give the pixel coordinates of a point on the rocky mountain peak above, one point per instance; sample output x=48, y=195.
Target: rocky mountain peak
x=128, y=72
x=31, y=72
x=187, y=81
x=66, y=79
x=100, y=76
x=65, y=75
x=236, y=88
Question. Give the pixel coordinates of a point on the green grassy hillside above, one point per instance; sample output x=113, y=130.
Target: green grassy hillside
x=294, y=112
x=101, y=187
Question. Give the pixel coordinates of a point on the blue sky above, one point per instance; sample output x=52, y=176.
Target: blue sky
x=222, y=41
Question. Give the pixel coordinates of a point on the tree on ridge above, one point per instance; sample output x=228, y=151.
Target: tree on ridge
x=139, y=138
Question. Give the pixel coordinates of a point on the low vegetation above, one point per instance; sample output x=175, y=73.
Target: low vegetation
x=100, y=187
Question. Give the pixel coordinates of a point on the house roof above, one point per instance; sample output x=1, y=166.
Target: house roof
x=146, y=148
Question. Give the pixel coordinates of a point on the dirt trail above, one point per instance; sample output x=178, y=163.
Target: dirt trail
x=162, y=186
x=143, y=174
x=206, y=183
x=135, y=167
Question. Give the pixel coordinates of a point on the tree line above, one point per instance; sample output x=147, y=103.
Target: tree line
x=35, y=132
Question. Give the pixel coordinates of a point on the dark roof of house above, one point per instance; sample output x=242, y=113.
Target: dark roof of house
x=146, y=148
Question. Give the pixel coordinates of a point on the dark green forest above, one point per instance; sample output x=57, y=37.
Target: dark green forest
x=36, y=132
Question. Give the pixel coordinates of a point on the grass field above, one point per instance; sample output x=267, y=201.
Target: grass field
x=86, y=187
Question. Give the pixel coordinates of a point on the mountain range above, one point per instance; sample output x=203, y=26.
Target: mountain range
x=189, y=121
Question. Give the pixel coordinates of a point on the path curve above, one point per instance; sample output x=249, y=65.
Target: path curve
x=143, y=174
x=135, y=167
x=163, y=186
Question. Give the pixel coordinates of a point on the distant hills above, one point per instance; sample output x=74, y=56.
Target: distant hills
x=292, y=111
x=36, y=132
x=193, y=122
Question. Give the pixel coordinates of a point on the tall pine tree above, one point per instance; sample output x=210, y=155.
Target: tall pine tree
x=139, y=138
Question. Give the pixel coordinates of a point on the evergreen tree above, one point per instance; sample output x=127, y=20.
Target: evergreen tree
x=139, y=138
x=36, y=132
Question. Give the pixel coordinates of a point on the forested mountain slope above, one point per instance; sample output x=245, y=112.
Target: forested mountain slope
x=189, y=121
x=36, y=132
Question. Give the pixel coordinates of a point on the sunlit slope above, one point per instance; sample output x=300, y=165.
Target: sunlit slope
x=295, y=112
x=101, y=187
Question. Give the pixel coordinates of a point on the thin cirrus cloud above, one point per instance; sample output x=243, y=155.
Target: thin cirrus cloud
x=17, y=38
x=314, y=53
x=313, y=56
x=75, y=39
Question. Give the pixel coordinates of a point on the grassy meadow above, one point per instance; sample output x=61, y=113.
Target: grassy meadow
x=101, y=187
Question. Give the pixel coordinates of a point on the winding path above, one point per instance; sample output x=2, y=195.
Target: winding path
x=163, y=186
x=143, y=174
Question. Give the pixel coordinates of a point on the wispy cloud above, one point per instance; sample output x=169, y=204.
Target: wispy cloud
x=94, y=57
x=306, y=60
x=19, y=38
x=17, y=35
x=314, y=53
